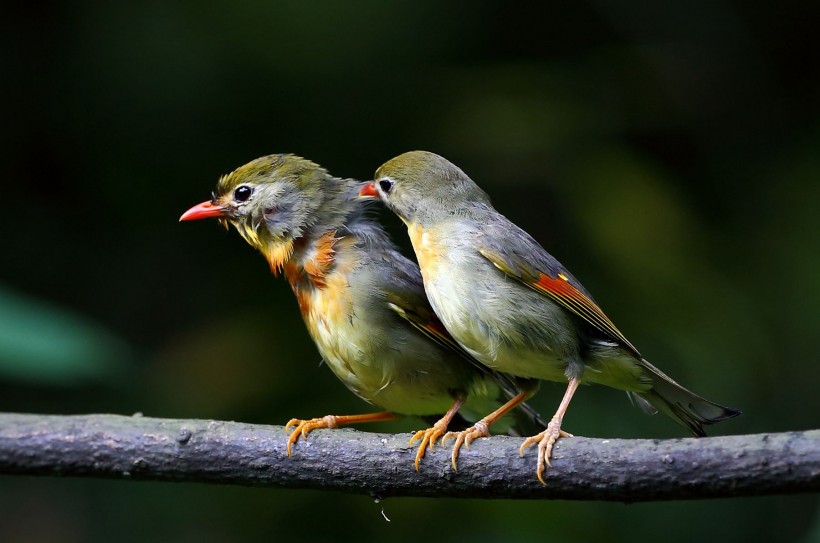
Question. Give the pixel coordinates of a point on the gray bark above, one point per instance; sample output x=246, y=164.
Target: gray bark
x=141, y=448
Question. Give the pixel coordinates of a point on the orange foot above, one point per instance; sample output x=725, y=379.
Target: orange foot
x=465, y=437
x=545, y=440
x=304, y=427
x=428, y=439
x=429, y=436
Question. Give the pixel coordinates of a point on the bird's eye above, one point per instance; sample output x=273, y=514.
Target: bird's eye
x=386, y=184
x=242, y=193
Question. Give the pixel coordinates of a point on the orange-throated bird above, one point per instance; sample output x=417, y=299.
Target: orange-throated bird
x=513, y=306
x=362, y=301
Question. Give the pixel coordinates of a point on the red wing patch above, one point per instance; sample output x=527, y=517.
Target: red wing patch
x=561, y=291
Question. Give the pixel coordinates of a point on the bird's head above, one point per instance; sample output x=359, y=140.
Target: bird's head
x=424, y=186
x=271, y=201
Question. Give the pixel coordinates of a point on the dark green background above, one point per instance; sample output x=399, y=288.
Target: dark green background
x=666, y=152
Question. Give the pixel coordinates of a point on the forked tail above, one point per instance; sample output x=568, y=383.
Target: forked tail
x=684, y=406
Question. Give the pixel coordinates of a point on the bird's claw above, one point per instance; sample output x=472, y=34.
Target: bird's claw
x=465, y=437
x=428, y=439
x=304, y=427
x=546, y=440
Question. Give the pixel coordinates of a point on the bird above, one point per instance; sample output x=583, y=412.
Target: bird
x=513, y=306
x=362, y=301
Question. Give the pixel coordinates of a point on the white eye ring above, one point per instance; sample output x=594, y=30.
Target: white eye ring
x=386, y=184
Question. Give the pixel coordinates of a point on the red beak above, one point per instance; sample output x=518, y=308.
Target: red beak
x=368, y=190
x=205, y=210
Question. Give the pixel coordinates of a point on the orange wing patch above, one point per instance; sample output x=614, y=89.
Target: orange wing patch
x=312, y=272
x=321, y=259
x=560, y=290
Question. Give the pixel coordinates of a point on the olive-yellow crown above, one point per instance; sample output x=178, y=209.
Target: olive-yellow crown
x=420, y=185
x=276, y=199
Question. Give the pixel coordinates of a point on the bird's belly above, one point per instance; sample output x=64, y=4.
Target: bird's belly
x=380, y=359
x=516, y=359
x=399, y=381
x=500, y=322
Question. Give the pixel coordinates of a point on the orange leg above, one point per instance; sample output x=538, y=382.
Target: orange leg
x=482, y=427
x=548, y=437
x=429, y=436
x=304, y=427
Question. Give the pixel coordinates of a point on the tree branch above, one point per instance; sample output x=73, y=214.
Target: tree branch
x=381, y=465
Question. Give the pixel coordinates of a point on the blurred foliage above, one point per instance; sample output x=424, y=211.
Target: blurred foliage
x=666, y=152
x=45, y=345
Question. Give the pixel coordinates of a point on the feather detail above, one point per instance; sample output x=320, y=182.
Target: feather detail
x=308, y=272
x=426, y=323
x=559, y=289
x=277, y=253
x=301, y=292
x=321, y=259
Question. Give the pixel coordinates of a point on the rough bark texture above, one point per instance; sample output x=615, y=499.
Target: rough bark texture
x=381, y=465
